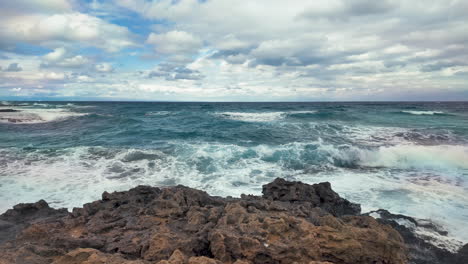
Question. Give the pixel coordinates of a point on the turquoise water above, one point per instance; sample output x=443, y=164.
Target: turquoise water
x=409, y=158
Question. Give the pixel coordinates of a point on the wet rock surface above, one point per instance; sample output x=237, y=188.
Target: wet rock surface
x=292, y=222
x=428, y=247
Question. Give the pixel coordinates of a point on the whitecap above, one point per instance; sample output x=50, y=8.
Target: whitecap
x=81, y=174
x=35, y=116
x=423, y=112
x=303, y=112
x=158, y=113
x=437, y=157
x=252, y=116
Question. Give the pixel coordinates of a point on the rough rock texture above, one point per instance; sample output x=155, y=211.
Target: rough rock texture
x=291, y=223
x=421, y=250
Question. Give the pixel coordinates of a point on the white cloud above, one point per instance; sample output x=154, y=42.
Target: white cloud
x=104, y=67
x=84, y=78
x=59, y=57
x=53, y=76
x=13, y=8
x=174, y=42
x=75, y=61
x=333, y=49
x=76, y=27
x=55, y=55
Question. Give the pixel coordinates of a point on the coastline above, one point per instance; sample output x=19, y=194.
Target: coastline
x=291, y=222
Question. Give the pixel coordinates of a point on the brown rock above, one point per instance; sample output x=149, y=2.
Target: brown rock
x=292, y=223
x=203, y=260
x=92, y=256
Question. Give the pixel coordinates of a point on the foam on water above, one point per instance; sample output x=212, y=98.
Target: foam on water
x=301, y=112
x=427, y=230
x=414, y=156
x=158, y=113
x=373, y=155
x=81, y=174
x=261, y=116
x=35, y=115
x=423, y=112
x=252, y=117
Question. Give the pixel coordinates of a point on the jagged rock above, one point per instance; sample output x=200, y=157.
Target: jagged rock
x=22, y=215
x=318, y=195
x=93, y=256
x=292, y=223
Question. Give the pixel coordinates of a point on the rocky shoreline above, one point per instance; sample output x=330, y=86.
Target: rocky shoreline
x=291, y=222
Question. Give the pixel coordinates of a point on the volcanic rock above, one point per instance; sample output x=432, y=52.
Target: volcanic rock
x=292, y=222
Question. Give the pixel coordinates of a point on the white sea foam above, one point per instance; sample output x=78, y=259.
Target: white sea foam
x=252, y=117
x=429, y=231
x=376, y=136
x=302, y=112
x=260, y=116
x=414, y=156
x=81, y=174
x=34, y=115
x=158, y=113
x=423, y=112
x=41, y=104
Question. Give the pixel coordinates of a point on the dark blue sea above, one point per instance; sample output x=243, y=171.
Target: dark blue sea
x=409, y=158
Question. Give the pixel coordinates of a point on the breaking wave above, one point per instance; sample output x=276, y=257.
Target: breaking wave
x=379, y=157
x=252, y=117
x=423, y=112
x=262, y=116
x=414, y=156
x=35, y=116
x=214, y=167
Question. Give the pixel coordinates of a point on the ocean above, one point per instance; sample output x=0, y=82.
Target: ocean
x=408, y=158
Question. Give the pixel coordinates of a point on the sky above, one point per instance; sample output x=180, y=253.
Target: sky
x=234, y=50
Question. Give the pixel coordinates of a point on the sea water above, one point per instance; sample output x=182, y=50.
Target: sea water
x=408, y=158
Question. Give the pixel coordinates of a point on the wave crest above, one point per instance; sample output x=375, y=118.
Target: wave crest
x=423, y=112
x=252, y=117
x=36, y=116
x=414, y=156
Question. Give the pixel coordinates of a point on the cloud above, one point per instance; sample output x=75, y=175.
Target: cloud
x=174, y=42
x=76, y=61
x=10, y=8
x=50, y=30
x=237, y=50
x=441, y=65
x=84, y=78
x=104, y=67
x=172, y=72
x=61, y=59
x=55, y=55
x=13, y=67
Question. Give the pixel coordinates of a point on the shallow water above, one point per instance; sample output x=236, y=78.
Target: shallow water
x=409, y=158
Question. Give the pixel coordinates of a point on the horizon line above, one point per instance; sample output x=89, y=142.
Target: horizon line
x=184, y=101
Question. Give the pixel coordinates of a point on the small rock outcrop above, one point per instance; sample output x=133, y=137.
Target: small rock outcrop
x=292, y=222
x=422, y=248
